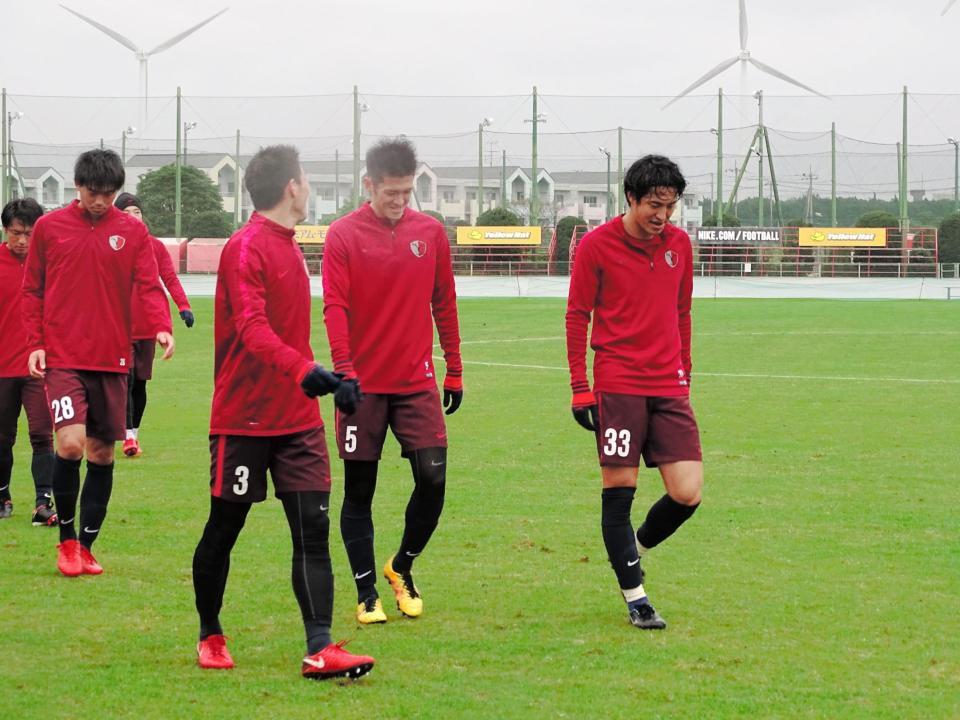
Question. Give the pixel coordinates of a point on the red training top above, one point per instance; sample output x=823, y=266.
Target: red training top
x=380, y=284
x=141, y=324
x=262, y=334
x=639, y=293
x=13, y=336
x=80, y=275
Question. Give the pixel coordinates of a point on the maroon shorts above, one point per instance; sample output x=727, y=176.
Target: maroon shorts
x=297, y=463
x=97, y=400
x=661, y=429
x=144, y=352
x=26, y=392
x=416, y=421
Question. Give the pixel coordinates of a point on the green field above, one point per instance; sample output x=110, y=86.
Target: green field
x=819, y=579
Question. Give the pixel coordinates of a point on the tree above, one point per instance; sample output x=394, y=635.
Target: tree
x=498, y=217
x=434, y=214
x=728, y=221
x=564, y=234
x=201, y=210
x=878, y=219
x=950, y=239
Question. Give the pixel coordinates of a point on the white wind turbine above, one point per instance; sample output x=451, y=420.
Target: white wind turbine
x=949, y=5
x=743, y=58
x=143, y=56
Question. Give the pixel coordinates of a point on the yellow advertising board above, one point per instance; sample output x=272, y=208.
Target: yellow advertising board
x=490, y=235
x=843, y=237
x=311, y=234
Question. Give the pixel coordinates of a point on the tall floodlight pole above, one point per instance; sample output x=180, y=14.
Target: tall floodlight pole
x=833, y=174
x=619, y=171
x=486, y=122
x=535, y=120
x=187, y=127
x=129, y=130
x=176, y=173
x=11, y=162
x=905, y=214
x=899, y=180
x=237, y=186
x=719, y=210
x=358, y=109
x=336, y=180
x=607, y=203
x=503, y=179
x=956, y=173
x=5, y=180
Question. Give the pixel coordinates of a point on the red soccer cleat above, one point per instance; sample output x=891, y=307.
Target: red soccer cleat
x=68, y=558
x=131, y=447
x=212, y=653
x=89, y=563
x=333, y=661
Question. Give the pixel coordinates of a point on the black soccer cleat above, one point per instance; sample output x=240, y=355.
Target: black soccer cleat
x=6, y=509
x=643, y=616
x=44, y=515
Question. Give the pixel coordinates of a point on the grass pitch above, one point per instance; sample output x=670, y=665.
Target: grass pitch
x=820, y=578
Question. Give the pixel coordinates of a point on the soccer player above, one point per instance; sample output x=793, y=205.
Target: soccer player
x=386, y=267
x=265, y=415
x=634, y=277
x=84, y=264
x=17, y=388
x=143, y=341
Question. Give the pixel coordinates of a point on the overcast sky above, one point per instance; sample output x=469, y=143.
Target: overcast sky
x=491, y=47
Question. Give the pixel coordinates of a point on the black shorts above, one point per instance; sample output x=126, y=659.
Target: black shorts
x=96, y=400
x=297, y=463
x=26, y=392
x=660, y=429
x=144, y=352
x=416, y=421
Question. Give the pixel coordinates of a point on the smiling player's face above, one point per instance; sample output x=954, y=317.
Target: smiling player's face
x=390, y=196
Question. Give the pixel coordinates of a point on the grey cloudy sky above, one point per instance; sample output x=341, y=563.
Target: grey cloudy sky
x=490, y=47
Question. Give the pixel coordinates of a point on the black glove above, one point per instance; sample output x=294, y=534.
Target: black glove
x=587, y=417
x=187, y=317
x=452, y=400
x=348, y=396
x=319, y=381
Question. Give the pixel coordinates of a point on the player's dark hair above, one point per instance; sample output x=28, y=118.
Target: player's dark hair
x=394, y=157
x=26, y=210
x=651, y=172
x=99, y=170
x=269, y=172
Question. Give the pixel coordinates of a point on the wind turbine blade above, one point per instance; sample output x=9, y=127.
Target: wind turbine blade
x=777, y=74
x=701, y=80
x=177, y=38
x=744, y=31
x=126, y=42
x=949, y=5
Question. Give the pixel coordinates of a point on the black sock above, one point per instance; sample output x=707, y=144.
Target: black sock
x=618, y=536
x=426, y=503
x=6, y=470
x=94, y=499
x=211, y=561
x=311, y=571
x=356, y=524
x=41, y=468
x=663, y=519
x=66, y=487
x=138, y=395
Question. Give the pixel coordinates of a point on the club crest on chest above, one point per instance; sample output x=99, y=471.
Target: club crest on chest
x=418, y=248
x=670, y=257
x=117, y=241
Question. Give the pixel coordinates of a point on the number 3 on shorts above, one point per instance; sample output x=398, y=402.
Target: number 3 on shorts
x=242, y=483
x=613, y=447
x=350, y=439
x=62, y=409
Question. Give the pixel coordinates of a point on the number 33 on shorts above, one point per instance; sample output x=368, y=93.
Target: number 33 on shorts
x=616, y=442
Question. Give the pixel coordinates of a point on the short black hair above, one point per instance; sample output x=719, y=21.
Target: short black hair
x=651, y=172
x=125, y=200
x=26, y=210
x=99, y=170
x=269, y=172
x=391, y=157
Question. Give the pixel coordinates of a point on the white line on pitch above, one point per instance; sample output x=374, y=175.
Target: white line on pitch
x=752, y=376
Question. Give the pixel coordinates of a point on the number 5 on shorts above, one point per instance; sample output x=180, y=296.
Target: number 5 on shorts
x=350, y=439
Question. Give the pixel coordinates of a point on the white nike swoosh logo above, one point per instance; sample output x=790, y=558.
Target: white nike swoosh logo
x=88, y=530
x=362, y=575
x=436, y=464
x=324, y=508
x=631, y=564
x=319, y=664
x=66, y=522
x=410, y=554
